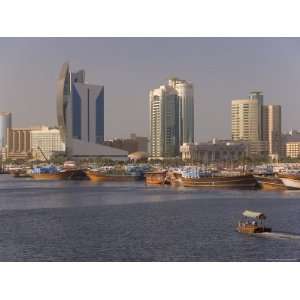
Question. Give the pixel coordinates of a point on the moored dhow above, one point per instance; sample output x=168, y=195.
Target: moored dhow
x=291, y=181
x=156, y=177
x=270, y=182
x=96, y=175
x=128, y=173
x=216, y=180
x=196, y=177
x=47, y=173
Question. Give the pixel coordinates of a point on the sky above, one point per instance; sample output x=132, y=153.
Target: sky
x=221, y=69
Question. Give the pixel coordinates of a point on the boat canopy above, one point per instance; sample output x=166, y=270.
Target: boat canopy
x=254, y=214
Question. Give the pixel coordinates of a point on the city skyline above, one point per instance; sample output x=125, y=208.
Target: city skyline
x=221, y=69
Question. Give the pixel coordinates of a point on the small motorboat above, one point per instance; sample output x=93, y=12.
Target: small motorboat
x=253, y=223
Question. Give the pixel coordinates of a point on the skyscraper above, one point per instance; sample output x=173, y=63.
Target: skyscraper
x=246, y=119
x=171, y=118
x=5, y=124
x=80, y=113
x=247, y=123
x=259, y=97
x=272, y=129
x=164, y=122
x=185, y=95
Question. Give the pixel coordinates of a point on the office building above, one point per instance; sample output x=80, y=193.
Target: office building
x=5, y=124
x=18, y=143
x=247, y=123
x=164, y=123
x=46, y=142
x=80, y=112
x=171, y=118
x=185, y=95
x=272, y=129
x=246, y=119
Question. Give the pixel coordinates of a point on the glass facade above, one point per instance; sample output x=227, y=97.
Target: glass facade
x=76, y=114
x=100, y=117
x=5, y=123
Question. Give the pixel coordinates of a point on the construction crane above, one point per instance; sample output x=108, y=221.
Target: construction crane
x=46, y=159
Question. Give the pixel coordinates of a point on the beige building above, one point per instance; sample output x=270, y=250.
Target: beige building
x=246, y=119
x=247, y=123
x=46, y=141
x=272, y=129
x=18, y=143
x=258, y=125
x=293, y=149
x=293, y=136
x=214, y=151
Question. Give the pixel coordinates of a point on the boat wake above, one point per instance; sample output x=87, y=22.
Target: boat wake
x=279, y=235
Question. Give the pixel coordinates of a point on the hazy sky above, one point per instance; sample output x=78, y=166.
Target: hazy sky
x=221, y=69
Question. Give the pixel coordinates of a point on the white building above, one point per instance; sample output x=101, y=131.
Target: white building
x=164, y=131
x=214, y=151
x=171, y=118
x=46, y=141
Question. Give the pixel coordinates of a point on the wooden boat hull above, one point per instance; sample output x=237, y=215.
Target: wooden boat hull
x=291, y=181
x=241, y=181
x=74, y=174
x=253, y=229
x=156, y=178
x=270, y=183
x=50, y=176
x=17, y=175
x=100, y=177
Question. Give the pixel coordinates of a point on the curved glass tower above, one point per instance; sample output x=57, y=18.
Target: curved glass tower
x=80, y=109
x=63, y=96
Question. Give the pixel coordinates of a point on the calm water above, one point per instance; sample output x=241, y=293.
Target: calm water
x=83, y=221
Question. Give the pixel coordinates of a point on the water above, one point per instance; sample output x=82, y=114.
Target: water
x=85, y=221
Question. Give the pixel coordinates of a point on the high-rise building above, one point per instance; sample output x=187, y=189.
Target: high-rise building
x=171, y=118
x=259, y=98
x=164, y=122
x=246, y=119
x=272, y=129
x=247, y=123
x=80, y=112
x=5, y=124
x=46, y=141
x=185, y=95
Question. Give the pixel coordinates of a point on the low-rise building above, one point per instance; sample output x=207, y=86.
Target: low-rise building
x=214, y=151
x=46, y=142
x=18, y=143
x=257, y=149
x=293, y=149
x=292, y=137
